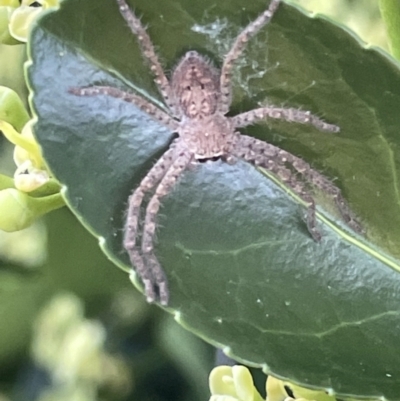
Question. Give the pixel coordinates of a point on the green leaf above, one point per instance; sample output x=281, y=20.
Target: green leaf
x=243, y=271
x=390, y=10
x=12, y=110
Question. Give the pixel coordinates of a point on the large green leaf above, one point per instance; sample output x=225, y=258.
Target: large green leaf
x=243, y=271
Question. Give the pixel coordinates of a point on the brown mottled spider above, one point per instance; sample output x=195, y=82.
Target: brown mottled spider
x=198, y=96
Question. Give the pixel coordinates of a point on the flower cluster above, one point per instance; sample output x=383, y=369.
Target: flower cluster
x=72, y=351
x=235, y=383
x=31, y=192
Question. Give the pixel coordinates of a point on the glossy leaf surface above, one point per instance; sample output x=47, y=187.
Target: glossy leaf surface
x=244, y=272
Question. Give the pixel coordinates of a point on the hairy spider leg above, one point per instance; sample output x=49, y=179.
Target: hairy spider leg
x=182, y=160
x=138, y=101
x=325, y=185
x=289, y=114
x=275, y=160
x=265, y=155
x=148, y=183
x=149, y=53
x=236, y=50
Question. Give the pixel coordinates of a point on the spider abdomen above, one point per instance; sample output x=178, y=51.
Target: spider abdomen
x=195, y=86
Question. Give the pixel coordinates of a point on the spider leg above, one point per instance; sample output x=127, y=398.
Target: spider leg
x=289, y=114
x=236, y=50
x=149, y=228
x=138, y=101
x=132, y=221
x=275, y=160
x=149, y=53
x=323, y=183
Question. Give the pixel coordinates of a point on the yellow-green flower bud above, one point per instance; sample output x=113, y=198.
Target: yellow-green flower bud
x=16, y=19
x=27, y=178
x=232, y=384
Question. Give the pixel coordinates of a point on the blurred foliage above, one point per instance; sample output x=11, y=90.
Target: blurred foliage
x=362, y=17
x=390, y=11
x=71, y=350
x=61, y=299
x=11, y=72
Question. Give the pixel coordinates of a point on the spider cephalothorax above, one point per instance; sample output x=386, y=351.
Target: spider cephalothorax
x=198, y=97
